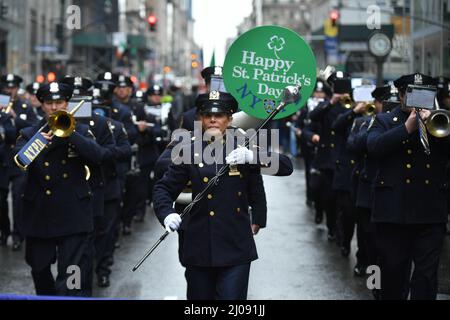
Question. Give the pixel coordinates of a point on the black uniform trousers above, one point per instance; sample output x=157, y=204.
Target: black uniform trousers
x=217, y=283
x=73, y=250
x=105, y=235
x=367, y=246
x=324, y=197
x=145, y=189
x=346, y=219
x=399, y=246
x=17, y=189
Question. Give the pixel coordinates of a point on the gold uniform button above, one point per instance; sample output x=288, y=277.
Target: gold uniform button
x=409, y=151
x=337, y=161
x=238, y=210
x=404, y=142
x=201, y=165
x=65, y=175
x=211, y=213
x=47, y=178
x=352, y=161
x=428, y=166
x=48, y=192
x=408, y=166
x=239, y=194
x=210, y=196
x=46, y=164
x=332, y=133
x=189, y=183
x=332, y=145
x=382, y=182
x=205, y=179
x=357, y=171
x=63, y=161
x=408, y=181
x=427, y=181
x=241, y=176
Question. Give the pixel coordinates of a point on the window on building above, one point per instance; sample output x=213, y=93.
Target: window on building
x=33, y=30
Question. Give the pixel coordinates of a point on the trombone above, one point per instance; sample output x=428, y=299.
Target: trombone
x=438, y=123
x=61, y=123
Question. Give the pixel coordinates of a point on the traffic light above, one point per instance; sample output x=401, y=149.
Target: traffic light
x=334, y=16
x=151, y=19
x=3, y=10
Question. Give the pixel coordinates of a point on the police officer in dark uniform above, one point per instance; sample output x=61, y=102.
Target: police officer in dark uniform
x=103, y=177
x=149, y=142
x=23, y=116
x=307, y=147
x=362, y=176
x=57, y=201
x=188, y=117
x=7, y=138
x=328, y=143
x=343, y=185
x=217, y=246
x=33, y=101
x=109, y=222
x=120, y=112
x=409, y=208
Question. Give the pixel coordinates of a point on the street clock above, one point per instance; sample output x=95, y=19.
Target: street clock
x=379, y=44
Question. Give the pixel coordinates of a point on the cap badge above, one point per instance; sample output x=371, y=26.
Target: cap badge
x=218, y=71
x=54, y=87
x=108, y=76
x=214, y=95
x=10, y=77
x=417, y=79
x=78, y=81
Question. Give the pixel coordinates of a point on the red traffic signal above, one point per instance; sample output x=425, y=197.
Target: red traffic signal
x=334, y=16
x=151, y=19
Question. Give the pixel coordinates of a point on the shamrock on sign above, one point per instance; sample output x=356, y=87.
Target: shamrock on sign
x=276, y=44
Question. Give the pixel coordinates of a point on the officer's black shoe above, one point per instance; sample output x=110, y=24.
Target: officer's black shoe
x=103, y=281
x=345, y=251
x=126, y=230
x=359, y=270
x=3, y=240
x=17, y=245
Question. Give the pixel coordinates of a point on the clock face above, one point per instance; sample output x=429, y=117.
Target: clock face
x=379, y=44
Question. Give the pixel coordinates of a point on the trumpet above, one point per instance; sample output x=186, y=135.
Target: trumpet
x=438, y=123
x=370, y=109
x=346, y=101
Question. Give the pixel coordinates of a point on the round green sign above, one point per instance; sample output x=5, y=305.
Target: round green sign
x=261, y=63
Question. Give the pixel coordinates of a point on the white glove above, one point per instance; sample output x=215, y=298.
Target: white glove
x=240, y=155
x=172, y=222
